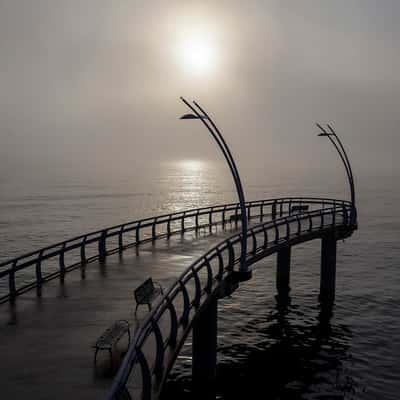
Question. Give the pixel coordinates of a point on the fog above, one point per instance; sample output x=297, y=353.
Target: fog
x=93, y=86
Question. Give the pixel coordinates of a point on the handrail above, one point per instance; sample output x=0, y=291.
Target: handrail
x=145, y=230
x=266, y=238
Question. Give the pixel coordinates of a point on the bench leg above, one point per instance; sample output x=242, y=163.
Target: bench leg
x=111, y=357
x=95, y=355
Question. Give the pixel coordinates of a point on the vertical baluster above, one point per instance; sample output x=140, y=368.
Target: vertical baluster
x=121, y=239
x=173, y=333
x=153, y=230
x=345, y=215
x=197, y=285
x=38, y=272
x=197, y=220
x=334, y=213
x=273, y=210
x=169, y=226
x=11, y=282
x=83, y=250
x=220, y=265
x=231, y=258
x=298, y=225
x=265, y=237
x=322, y=219
x=290, y=207
x=236, y=216
x=287, y=228
x=253, y=235
x=209, y=275
x=102, y=246
x=138, y=233
x=281, y=208
x=183, y=223
x=210, y=220
x=83, y=257
x=159, y=361
x=261, y=211
x=223, y=217
x=186, y=303
x=249, y=212
x=276, y=233
x=146, y=379
x=62, y=263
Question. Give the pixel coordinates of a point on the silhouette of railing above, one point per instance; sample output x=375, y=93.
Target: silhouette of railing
x=158, y=340
x=31, y=270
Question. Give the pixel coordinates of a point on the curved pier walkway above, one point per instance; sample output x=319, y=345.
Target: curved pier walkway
x=45, y=343
x=55, y=306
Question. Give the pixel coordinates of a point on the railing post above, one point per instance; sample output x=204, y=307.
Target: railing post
x=120, y=239
x=204, y=351
x=62, y=263
x=283, y=270
x=223, y=217
x=153, y=230
x=169, y=227
x=102, y=246
x=261, y=211
x=273, y=210
x=11, y=282
x=197, y=220
x=328, y=268
x=183, y=224
x=210, y=221
x=38, y=272
x=137, y=232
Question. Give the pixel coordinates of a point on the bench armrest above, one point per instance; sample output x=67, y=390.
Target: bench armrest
x=159, y=285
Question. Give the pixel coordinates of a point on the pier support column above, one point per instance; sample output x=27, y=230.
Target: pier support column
x=283, y=270
x=204, y=352
x=328, y=268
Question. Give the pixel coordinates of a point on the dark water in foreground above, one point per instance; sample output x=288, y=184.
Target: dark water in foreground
x=267, y=350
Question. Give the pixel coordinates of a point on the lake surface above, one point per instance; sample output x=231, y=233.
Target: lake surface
x=266, y=349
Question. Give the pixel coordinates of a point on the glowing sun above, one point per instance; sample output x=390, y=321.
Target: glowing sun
x=197, y=55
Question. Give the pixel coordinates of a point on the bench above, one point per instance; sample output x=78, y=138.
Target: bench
x=146, y=293
x=235, y=218
x=111, y=336
x=298, y=209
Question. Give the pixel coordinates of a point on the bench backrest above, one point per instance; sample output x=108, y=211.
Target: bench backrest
x=144, y=290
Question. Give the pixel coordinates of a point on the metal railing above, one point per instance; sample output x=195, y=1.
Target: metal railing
x=158, y=340
x=31, y=270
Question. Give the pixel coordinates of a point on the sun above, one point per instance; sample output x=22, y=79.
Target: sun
x=197, y=55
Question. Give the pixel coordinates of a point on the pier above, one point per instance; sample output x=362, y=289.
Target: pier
x=57, y=300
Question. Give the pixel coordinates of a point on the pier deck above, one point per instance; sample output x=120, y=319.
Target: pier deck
x=45, y=343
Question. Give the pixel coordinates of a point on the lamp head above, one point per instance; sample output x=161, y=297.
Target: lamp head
x=193, y=116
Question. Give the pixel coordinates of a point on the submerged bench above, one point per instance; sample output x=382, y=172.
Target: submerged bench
x=111, y=336
x=299, y=209
x=235, y=218
x=146, y=293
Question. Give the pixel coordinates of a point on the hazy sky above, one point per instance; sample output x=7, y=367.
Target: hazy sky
x=95, y=84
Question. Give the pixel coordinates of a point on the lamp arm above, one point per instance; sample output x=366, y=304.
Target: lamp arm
x=349, y=176
x=347, y=159
x=239, y=187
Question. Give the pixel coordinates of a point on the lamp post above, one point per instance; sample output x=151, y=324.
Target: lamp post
x=197, y=112
x=337, y=143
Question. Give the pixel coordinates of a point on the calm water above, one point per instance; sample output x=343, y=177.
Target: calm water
x=293, y=351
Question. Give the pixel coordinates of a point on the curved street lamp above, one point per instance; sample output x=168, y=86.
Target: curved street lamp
x=199, y=113
x=330, y=133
